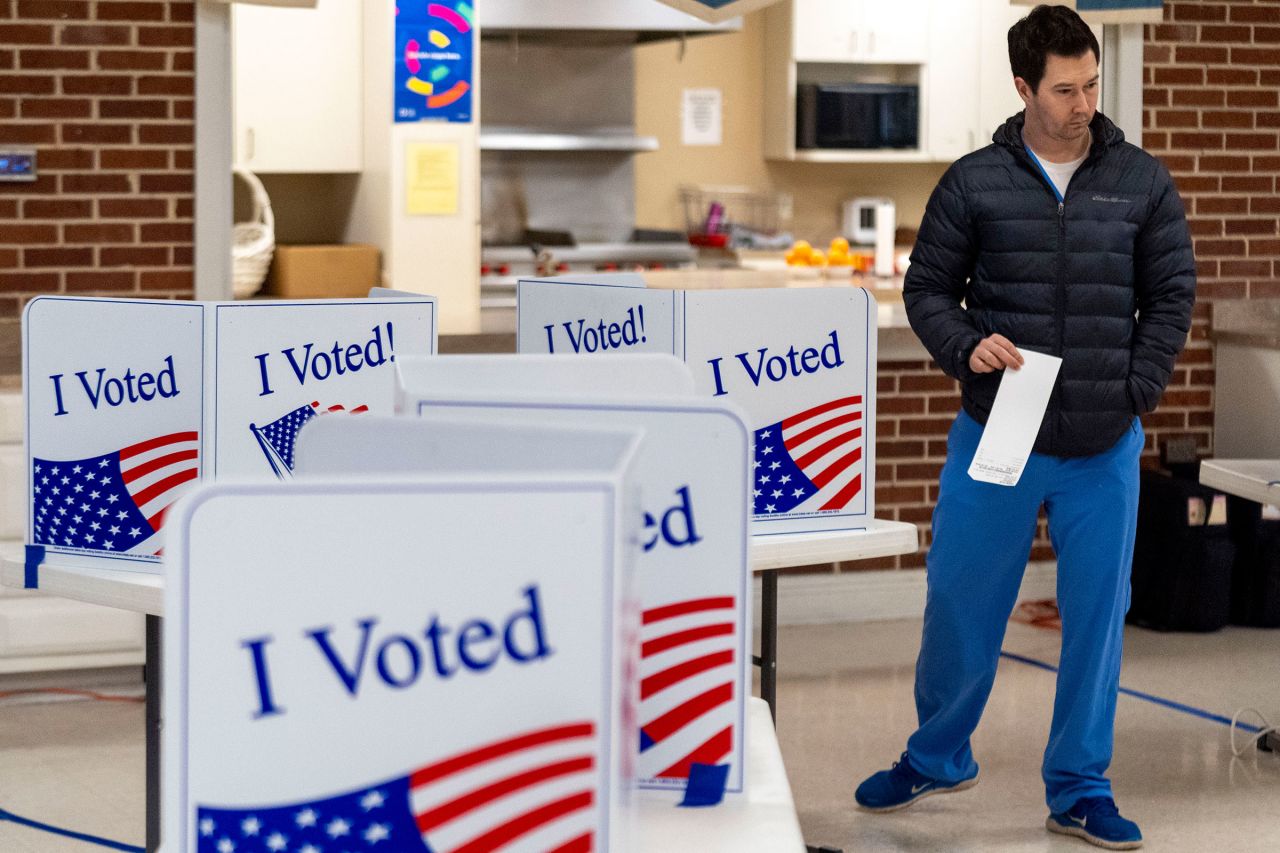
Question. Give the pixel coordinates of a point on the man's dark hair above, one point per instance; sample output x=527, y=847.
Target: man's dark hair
x=1048, y=29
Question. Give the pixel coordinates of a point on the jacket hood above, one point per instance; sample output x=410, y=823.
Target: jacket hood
x=1105, y=132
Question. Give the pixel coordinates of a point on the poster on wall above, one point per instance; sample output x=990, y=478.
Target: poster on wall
x=434, y=60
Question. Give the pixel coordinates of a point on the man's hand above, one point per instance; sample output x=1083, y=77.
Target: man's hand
x=994, y=353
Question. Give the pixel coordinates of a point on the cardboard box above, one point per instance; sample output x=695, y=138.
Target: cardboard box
x=323, y=272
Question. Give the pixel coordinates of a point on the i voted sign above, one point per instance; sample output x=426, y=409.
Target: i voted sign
x=693, y=568
x=800, y=363
x=129, y=403
x=409, y=666
x=115, y=421
x=615, y=317
x=278, y=365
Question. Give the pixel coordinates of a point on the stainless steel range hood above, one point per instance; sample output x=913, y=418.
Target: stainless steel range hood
x=630, y=20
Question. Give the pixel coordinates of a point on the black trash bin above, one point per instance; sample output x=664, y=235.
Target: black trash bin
x=1183, y=556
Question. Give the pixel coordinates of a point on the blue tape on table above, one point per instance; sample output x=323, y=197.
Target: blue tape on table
x=31, y=575
x=706, y=784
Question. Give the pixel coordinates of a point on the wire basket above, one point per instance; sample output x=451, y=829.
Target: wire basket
x=253, y=242
x=711, y=213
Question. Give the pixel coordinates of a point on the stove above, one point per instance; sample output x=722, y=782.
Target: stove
x=502, y=266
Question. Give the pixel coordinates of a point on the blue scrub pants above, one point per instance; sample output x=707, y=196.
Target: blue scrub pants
x=982, y=536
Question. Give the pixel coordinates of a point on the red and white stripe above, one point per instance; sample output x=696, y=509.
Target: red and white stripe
x=689, y=667
x=156, y=473
x=826, y=444
x=315, y=404
x=538, y=789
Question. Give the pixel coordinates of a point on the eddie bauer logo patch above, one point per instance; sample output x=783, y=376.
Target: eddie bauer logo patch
x=1112, y=199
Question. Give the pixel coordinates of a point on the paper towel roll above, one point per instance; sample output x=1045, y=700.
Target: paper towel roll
x=886, y=225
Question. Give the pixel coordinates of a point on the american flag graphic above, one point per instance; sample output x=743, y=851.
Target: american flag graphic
x=811, y=457
x=688, y=669
x=113, y=502
x=277, y=438
x=533, y=791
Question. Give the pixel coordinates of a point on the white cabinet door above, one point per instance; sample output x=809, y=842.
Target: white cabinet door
x=829, y=30
x=995, y=79
x=952, y=95
x=297, y=87
x=861, y=31
x=898, y=32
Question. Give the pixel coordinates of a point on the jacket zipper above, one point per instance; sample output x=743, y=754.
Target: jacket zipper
x=1061, y=284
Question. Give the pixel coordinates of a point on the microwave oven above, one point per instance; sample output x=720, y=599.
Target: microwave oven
x=857, y=115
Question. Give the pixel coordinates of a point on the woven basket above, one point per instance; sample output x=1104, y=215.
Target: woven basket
x=254, y=242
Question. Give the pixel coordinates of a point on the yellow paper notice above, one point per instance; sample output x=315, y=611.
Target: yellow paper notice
x=431, y=178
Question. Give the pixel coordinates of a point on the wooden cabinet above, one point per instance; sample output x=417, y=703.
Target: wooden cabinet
x=296, y=87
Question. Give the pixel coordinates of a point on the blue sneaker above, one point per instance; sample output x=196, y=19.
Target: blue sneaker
x=900, y=786
x=1098, y=821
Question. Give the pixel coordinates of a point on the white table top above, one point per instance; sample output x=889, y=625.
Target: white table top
x=1254, y=479
x=144, y=593
x=764, y=820
x=880, y=539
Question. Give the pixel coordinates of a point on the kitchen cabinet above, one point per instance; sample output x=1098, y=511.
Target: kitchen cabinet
x=996, y=97
x=955, y=51
x=860, y=31
x=970, y=86
x=296, y=87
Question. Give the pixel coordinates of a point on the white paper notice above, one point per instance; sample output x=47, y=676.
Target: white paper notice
x=1015, y=420
x=702, y=117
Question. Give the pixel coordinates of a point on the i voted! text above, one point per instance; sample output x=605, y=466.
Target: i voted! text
x=602, y=336
x=309, y=362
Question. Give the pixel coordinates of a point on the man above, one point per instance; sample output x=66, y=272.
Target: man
x=1048, y=240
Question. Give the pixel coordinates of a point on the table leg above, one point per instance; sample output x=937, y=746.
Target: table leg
x=769, y=641
x=151, y=674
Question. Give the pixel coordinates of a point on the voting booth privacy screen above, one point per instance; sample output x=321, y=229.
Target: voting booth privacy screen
x=420, y=665
x=799, y=362
x=693, y=570
x=129, y=403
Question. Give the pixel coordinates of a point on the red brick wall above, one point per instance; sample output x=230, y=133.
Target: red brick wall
x=1212, y=95
x=1212, y=98
x=103, y=91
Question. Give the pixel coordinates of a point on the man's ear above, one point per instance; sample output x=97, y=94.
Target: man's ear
x=1024, y=90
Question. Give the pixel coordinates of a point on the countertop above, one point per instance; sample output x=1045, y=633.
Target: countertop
x=1252, y=322
x=896, y=341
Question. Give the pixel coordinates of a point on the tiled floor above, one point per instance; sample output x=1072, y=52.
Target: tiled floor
x=845, y=710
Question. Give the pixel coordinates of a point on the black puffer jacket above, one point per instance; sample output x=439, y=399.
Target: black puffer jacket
x=1061, y=279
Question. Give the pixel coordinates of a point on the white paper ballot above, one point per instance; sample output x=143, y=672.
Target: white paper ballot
x=1015, y=420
